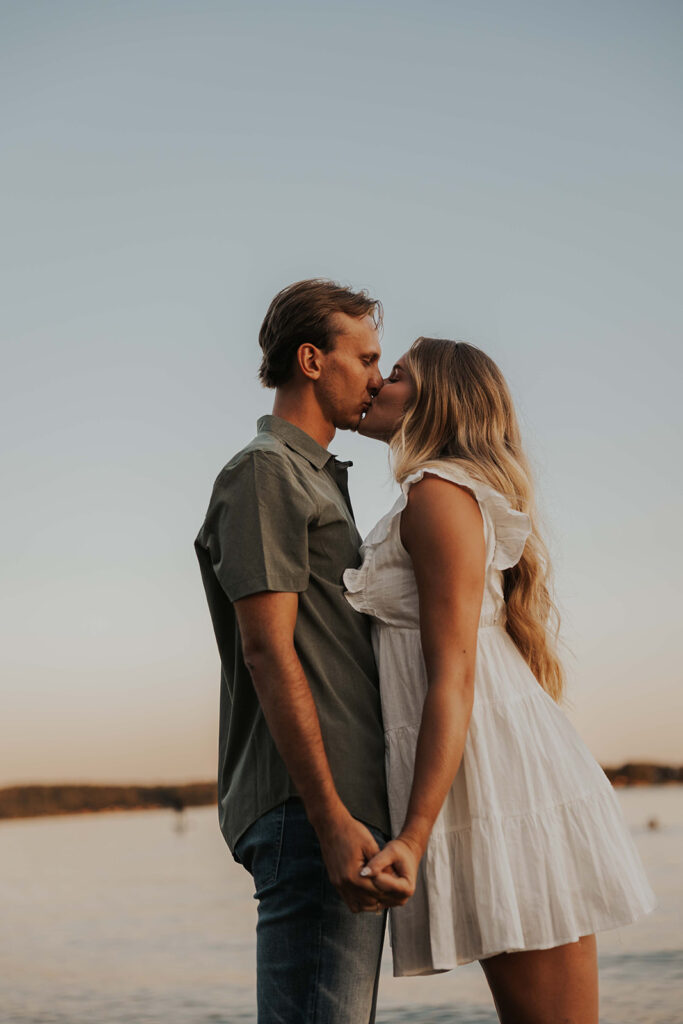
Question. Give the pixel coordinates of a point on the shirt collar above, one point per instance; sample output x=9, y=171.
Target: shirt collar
x=296, y=439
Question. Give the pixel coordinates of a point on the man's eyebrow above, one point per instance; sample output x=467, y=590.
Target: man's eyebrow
x=374, y=356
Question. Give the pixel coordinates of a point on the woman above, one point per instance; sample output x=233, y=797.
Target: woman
x=505, y=824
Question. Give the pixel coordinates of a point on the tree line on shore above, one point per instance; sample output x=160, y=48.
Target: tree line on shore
x=639, y=774
x=36, y=801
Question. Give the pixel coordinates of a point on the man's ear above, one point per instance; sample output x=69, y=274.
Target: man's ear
x=309, y=359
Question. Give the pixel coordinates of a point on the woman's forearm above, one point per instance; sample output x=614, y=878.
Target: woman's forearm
x=442, y=530
x=441, y=741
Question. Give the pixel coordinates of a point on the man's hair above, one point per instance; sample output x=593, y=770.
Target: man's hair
x=303, y=313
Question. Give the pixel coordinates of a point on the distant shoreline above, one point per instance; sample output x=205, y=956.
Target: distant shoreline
x=644, y=774
x=36, y=801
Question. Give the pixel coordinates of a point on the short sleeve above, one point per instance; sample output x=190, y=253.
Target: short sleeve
x=511, y=528
x=256, y=527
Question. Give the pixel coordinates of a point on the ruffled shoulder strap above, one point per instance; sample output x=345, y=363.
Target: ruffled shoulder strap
x=505, y=528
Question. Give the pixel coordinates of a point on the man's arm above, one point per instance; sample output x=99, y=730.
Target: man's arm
x=266, y=622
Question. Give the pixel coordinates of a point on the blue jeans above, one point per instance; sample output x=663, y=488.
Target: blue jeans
x=317, y=963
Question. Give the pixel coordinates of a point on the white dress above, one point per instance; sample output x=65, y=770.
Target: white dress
x=530, y=849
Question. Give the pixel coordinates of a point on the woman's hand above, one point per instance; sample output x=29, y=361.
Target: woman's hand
x=394, y=868
x=346, y=845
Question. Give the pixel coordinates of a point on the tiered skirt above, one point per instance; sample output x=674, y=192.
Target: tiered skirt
x=530, y=849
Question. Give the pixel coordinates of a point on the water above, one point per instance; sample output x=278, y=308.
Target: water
x=120, y=919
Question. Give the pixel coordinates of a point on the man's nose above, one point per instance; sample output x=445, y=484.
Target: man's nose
x=376, y=383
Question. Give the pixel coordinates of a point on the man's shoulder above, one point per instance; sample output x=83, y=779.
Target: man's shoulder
x=265, y=463
x=265, y=448
x=241, y=478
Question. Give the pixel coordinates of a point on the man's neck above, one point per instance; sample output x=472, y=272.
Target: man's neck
x=303, y=412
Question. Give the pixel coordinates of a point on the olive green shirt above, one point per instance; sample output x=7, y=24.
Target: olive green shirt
x=280, y=519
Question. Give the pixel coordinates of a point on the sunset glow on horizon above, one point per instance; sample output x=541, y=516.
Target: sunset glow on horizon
x=509, y=176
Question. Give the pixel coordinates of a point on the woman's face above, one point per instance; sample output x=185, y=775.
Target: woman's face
x=387, y=409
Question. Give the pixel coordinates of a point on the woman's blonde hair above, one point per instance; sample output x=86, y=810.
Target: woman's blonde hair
x=462, y=411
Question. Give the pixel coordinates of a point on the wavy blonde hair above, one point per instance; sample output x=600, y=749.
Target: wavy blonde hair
x=462, y=411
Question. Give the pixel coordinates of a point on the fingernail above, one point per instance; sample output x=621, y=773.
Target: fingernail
x=365, y=871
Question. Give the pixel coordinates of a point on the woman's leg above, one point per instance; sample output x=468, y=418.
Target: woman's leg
x=546, y=986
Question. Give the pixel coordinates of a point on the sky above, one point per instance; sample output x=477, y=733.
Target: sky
x=508, y=174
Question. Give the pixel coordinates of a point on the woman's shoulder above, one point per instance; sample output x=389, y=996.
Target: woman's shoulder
x=431, y=500
x=508, y=527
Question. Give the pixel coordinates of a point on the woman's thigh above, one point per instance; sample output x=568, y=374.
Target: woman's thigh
x=546, y=986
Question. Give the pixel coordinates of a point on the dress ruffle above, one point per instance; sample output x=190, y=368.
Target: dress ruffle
x=353, y=582
x=508, y=527
x=505, y=532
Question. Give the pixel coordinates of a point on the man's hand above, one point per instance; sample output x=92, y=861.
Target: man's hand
x=347, y=846
x=396, y=864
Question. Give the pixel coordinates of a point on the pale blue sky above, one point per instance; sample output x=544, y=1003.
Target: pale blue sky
x=505, y=173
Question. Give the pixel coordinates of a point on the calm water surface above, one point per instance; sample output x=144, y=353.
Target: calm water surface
x=121, y=919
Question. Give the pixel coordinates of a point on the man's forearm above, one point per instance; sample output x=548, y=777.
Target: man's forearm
x=290, y=711
x=267, y=626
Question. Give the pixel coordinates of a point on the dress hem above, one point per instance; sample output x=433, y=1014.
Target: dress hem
x=448, y=966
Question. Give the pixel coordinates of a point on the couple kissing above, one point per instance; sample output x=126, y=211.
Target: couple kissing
x=390, y=736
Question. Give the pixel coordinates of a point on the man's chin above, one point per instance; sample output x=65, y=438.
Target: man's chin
x=360, y=425
x=365, y=429
x=355, y=424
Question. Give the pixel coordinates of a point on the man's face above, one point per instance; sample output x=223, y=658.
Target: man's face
x=350, y=376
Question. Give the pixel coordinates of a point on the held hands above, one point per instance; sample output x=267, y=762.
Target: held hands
x=347, y=847
x=394, y=868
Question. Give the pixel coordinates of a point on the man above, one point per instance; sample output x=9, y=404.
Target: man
x=302, y=793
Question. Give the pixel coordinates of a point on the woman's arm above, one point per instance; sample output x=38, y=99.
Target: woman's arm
x=442, y=531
